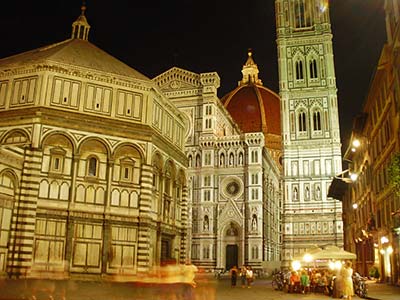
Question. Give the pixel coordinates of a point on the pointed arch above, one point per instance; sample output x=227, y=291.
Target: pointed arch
x=302, y=120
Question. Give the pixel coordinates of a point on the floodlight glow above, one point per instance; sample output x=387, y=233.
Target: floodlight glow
x=355, y=205
x=382, y=251
x=384, y=240
x=296, y=265
x=356, y=143
x=307, y=257
x=389, y=250
x=353, y=176
x=338, y=265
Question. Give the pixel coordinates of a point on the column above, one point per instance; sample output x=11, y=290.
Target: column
x=20, y=256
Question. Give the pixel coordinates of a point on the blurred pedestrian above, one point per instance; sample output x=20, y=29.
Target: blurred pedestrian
x=305, y=282
x=233, y=272
x=243, y=272
x=347, y=275
x=249, y=276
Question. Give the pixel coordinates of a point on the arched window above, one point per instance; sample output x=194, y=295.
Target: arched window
x=92, y=169
x=313, y=69
x=299, y=70
x=302, y=122
x=317, y=120
x=303, y=12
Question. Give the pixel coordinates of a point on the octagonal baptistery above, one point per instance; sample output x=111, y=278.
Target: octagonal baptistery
x=256, y=108
x=92, y=164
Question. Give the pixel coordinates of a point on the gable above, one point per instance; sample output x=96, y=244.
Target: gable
x=177, y=79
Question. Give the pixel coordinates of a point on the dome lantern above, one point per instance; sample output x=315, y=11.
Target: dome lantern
x=80, y=28
x=250, y=71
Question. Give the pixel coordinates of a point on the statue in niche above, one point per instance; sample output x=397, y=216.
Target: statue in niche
x=190, y=161
x=221, y=160
x=254, y=223
x=231, y=159
x=295, y=194
x=307, y=192
x=317, y=193
x=197, y=160
x=241, y=158
x=206, y=224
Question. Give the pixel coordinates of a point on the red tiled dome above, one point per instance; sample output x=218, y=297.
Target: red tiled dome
x=254, y=108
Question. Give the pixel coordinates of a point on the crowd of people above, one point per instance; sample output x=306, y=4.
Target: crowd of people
x=337, y=283
x=245, y=273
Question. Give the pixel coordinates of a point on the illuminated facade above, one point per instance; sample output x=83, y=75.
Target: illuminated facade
x=372, y=219
x=310, y=126
x=92, y=165
x=233, y=175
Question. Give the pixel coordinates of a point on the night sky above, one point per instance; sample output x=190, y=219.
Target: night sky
x=202, y=36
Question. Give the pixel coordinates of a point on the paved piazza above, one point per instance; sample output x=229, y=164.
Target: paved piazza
x=208, y=289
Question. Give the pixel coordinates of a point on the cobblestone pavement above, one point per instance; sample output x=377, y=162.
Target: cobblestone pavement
x=207, y=289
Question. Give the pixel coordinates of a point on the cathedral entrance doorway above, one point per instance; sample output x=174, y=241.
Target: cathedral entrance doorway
x=231, y=256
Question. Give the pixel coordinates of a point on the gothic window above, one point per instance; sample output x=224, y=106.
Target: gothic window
x=207, y=195
x=254, y=194
x=299, y=70
x=208, y=110
x=207, y=159
x=317, y=120
x=254, y=156
x=313, y=69
x=303, y=13
x=302, y=118
x=254, y=178
x=207, y=180
x=208, y=124
x=92, y=166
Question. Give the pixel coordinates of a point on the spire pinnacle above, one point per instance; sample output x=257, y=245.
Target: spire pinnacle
x=250, y=70
x=81, y=27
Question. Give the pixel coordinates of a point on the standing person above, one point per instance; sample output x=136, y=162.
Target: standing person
x=233, y=271
x=305, y=282
x=249, y=276
x=347, y=273
x=243, y=276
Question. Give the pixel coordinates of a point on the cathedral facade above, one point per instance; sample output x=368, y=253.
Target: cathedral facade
x=234, y=178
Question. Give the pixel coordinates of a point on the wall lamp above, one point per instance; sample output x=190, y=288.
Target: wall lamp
x=347, y=176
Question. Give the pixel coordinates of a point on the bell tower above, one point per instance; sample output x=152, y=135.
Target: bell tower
x=310, y=126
